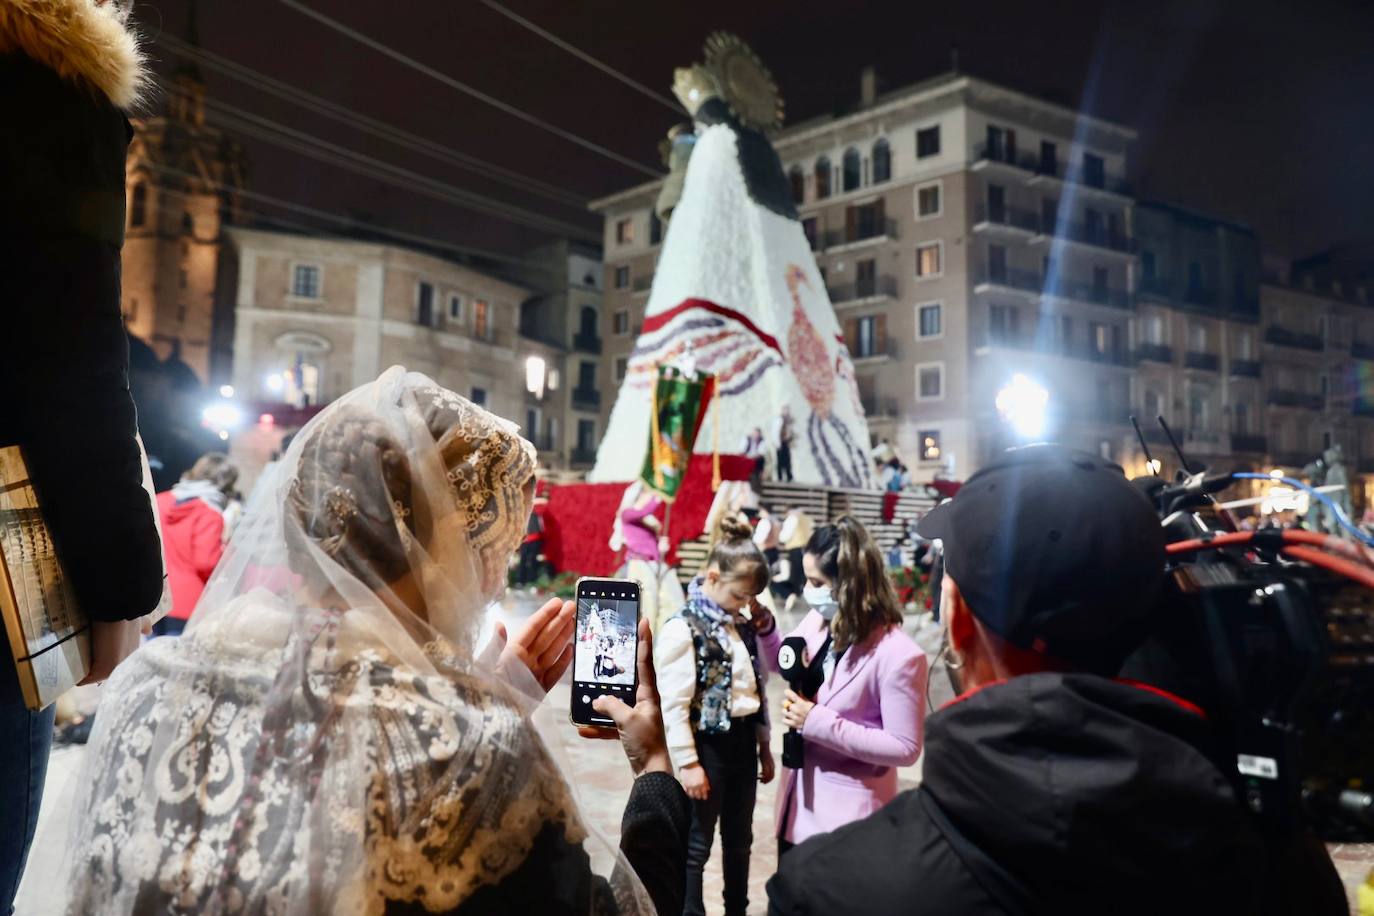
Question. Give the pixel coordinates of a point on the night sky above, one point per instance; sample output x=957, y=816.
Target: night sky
x=1259, y=111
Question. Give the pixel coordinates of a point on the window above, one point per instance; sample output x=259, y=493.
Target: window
x=620, y=323
x=586, y=436
x=1100, y=284
x=1063, y=334
x=455, y=308
x=822, y=178
x=479, y=397
x=138, y=205
x=1154, y=405
x=930, y=381
x=928, y=142
x=1094, y=172
x=1092, y=224
x=1244, y=346
x=586, y=376
x=1197, y=338
x=1194, y=279
x=305, y=281
x=1049, y=215
x=481, y=320
x=1197, y=410
x=1001, y=144
x=810, y=231
x=1240, y=417
x=928, y=200
x=622, y=366
x=1147, y=266
x=1004, y=324
x=1154, y=329
x=797, y=180
x=622, y=278
x=865, y=278
x=928, y=320
x=424, y=304
x=928, y=260
x=882, y=162
x=850, y=174
x=930, y=444
x=625, y=231
x=997, y=263
x=1099, y=336
x=553, y=379
x=655, y=228
x=1049, y=158
x=866, y=337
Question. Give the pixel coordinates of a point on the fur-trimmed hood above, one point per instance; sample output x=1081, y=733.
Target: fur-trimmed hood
x=88, y=43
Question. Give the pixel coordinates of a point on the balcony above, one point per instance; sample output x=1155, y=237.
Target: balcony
x=1093, y=355
x=583, y=456
x=1038, y=170
x=1206, y=361
x=1245, y=368
x=1090, y=292
x=1242, y=442
x=643, y=284
x=1198, y=296
x=1155, y=353
x=586, y=398
x=1008, y=217
x=879, y=407
x=1286, y=338
x=878, y=351
x=1206, y=442
x=1096, y=236
x=543, y=443
x=862, y=231
x=1026, y=281
x=1361, y=350
x=585, y=342
x=1281, y=398
x=881, y=287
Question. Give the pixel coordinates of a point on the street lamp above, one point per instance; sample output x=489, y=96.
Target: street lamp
x=1023, y=403
x=535, y=369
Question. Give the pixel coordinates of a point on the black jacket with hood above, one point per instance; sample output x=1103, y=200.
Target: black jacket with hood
x=68, y=70
x=1059, y=794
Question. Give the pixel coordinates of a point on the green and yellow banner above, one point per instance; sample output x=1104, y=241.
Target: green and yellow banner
x=679, y=406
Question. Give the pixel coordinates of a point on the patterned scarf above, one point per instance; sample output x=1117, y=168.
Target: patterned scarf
x=710, y=709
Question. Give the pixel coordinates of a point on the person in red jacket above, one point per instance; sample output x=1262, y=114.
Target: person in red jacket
x=193, y=534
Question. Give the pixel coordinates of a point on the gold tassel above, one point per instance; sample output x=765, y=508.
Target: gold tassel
x=654, y=445
x=715, y=435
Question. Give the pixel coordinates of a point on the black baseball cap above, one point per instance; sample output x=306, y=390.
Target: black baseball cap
x=1056, y=552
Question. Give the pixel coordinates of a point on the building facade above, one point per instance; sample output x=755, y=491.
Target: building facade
x=183, y=183
x=969, y=232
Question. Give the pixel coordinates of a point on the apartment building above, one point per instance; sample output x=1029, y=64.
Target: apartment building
x=317, y=316
x=968, y=232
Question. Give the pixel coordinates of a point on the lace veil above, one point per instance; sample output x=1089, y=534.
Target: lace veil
x=325, y=737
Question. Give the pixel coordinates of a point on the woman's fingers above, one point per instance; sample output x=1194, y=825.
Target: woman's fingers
x=648, y=679
x=592, y=731
x=551, y=625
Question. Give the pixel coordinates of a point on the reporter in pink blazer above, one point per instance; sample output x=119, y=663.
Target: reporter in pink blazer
x=868, y=716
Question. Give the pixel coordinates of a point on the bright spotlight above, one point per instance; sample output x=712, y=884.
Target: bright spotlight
x=275, y=383
x=1155, y=466
x=221, y=416
x=1276, y=473
x=1022, y=402
x=226, y=391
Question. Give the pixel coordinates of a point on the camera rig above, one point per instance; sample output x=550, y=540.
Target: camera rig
x=1270, y=631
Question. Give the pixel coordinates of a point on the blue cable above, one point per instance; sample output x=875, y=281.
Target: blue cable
x=1322, y=497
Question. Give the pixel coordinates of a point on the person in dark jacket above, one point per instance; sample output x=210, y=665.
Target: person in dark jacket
x=1049, y=786
x=68, y=70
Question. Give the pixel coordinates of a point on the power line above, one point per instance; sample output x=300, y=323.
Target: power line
x=584, y=56
x=359, y=121
x=468, y=90
x=249, y=124
x=340, y=219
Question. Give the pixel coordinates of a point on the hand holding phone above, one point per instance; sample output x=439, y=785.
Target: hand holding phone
x=605, y=646
x=639, y=727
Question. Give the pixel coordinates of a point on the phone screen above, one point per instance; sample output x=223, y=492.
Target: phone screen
x=605, y=646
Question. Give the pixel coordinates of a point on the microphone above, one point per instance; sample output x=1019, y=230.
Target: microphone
x=793, y=671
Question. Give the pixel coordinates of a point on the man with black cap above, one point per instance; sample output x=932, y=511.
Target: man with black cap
x=1048, y=785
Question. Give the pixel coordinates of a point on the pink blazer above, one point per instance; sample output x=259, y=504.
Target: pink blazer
x=869, y=719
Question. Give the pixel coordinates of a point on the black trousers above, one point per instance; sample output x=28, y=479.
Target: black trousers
x=731, y=762
x=785, y=462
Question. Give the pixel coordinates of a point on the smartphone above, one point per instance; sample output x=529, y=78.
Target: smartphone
x=605, y=646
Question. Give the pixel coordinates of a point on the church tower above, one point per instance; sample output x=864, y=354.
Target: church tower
x=183, y=182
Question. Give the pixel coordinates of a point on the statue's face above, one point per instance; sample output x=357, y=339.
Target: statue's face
x=693, y=85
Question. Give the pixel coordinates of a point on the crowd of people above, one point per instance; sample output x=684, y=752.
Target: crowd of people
x=324, y=729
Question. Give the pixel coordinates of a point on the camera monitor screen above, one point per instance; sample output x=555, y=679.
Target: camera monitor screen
x=605, y=645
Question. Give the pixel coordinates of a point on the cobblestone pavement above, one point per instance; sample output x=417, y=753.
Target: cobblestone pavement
x=602, y=779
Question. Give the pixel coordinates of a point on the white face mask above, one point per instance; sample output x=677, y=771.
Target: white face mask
x=820, y=599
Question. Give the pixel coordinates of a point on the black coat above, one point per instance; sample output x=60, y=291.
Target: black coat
x=556, y=878
x=64, y=361
x=1059, y=794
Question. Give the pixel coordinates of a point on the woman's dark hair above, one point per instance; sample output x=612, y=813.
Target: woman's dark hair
x=846, y=555
x=737, y=556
